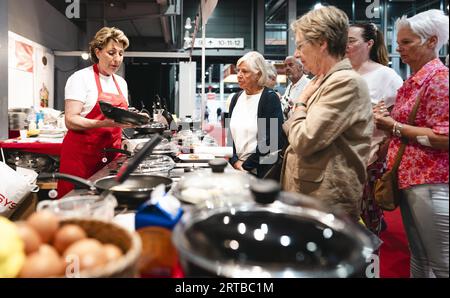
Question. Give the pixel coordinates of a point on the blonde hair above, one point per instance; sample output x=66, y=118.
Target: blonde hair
x=257, y=64
x=103, y=36
x=426, y=24
x=328, y=24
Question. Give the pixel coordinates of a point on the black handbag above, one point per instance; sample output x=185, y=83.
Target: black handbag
x=274, y=172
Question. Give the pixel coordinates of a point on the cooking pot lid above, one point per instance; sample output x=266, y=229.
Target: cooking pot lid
x=261, y=242
x=272, y=239
x=155, y=163
x=213, y=185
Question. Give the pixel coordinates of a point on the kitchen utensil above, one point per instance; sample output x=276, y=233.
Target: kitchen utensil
x=214, y=185
x=122, y=115
x=294, y=236
x=87, y=206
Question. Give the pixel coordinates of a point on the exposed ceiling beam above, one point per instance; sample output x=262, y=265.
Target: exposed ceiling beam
x=165, y=27
x=274, y=9
x=172, y=55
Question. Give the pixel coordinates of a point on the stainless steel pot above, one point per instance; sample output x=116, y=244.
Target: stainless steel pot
x=293, y=236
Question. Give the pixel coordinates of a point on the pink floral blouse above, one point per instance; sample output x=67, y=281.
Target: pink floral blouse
x=421, y=164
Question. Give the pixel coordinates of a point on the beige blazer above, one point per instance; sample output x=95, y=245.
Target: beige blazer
x=329, y=144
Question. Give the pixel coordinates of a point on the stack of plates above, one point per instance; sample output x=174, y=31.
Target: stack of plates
x=52, y=133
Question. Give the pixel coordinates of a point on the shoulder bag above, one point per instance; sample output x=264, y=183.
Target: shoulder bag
x=387, y=194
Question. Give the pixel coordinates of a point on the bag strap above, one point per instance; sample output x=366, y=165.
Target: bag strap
x=411, y=118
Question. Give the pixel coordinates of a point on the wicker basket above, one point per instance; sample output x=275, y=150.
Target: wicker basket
x=107, y=232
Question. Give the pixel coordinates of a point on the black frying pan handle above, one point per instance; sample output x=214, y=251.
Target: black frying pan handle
x=131, y=165
x=74, y=179
x=127, y=153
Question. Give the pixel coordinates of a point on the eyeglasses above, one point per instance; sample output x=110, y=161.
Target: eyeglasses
x=299, y=45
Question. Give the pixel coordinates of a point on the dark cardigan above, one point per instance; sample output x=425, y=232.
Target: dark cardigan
x=269, y=106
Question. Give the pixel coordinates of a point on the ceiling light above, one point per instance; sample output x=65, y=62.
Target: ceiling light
x=188, y=23
x=318, y=5
x=85, y=56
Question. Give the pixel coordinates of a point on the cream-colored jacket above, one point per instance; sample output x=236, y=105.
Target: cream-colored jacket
x=329, y=144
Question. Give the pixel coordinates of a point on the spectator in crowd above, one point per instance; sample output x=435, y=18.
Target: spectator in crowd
x=253, y=133
x=369, y=57
x=297, y=82
x=331, y=126
x=272, y=74
x=423, y=171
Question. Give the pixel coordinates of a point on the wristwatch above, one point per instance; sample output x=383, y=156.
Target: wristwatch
x=300, y=104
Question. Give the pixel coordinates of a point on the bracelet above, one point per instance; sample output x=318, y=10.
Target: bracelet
x=396, y=129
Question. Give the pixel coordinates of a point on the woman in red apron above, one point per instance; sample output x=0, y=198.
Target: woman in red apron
x=82, y=150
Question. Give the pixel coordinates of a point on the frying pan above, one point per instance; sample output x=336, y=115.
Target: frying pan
x=131, y=190
x=151, y=128
x=122, y=115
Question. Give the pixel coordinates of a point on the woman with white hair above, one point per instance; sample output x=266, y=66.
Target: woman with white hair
x=271, y=76
x=256, y=118
x=423, y=171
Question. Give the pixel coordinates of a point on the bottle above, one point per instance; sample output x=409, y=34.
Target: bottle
x=31, y=119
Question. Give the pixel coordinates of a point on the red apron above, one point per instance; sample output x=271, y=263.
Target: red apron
x=82, y=151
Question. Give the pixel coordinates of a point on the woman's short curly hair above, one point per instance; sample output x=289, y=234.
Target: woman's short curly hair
x=103, y=36
x=426, y=24
x=329, y=24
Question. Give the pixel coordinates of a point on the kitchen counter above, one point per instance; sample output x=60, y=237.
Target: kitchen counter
x=50, y=146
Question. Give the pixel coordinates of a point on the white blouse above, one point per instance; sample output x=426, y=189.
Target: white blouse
x=383, y=83
x=81, y=86
x=244, y=124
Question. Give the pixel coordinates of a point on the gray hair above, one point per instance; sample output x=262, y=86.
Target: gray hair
x=257, y=64
x=426, y=24
x=297, y=60
x=271, y=73
x=271, y=70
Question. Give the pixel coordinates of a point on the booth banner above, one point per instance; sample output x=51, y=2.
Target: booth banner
x=30, y=73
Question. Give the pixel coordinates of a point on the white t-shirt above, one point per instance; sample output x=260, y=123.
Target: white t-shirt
x=293, y=91
x=383, y=84
x=292, y=94
x=244, y=125
x=81, y=86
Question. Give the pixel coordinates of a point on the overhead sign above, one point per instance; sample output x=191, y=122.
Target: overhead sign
x=217, y=43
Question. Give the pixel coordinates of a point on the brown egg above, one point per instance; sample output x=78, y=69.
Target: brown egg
x=112, y=252
x=67, y=235
x=89, y=253
x=45, y=223
x=30, y=237
x=45, y=262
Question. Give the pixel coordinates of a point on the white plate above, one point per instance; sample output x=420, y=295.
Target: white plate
x=195, y=157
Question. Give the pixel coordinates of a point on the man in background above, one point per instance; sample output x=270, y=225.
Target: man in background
x=298, y=81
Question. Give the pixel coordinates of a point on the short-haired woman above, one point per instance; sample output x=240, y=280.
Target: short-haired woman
x=256, y=118
x=271, y=76
x=369, y=57
x=331, y=127
x=89, y=132
x=423, y=171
